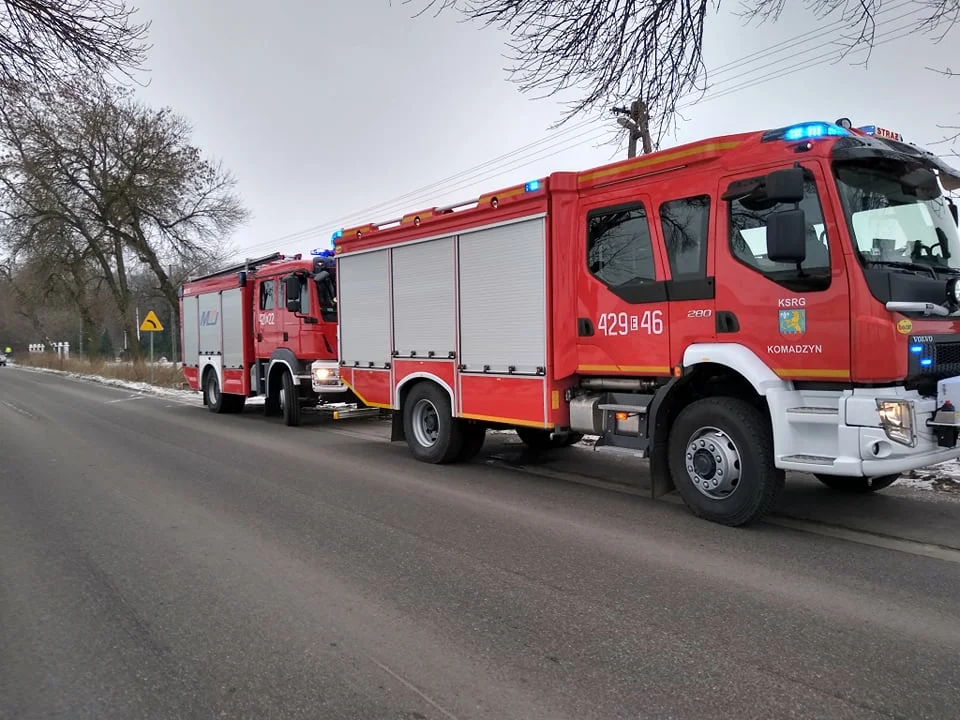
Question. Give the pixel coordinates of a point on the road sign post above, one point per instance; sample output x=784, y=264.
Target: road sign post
x=151, y=324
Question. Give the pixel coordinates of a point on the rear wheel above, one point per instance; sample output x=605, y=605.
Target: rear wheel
x=474, y=435
x=721, y=461
x=433, y=434
x=212, y=394
x=857, y=485
x=289, y=401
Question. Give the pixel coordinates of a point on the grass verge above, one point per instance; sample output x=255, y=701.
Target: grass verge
x=167, y=376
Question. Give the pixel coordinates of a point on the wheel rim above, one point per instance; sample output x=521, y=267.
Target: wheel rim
x=283, y=399
x=713, y=463
x=426, y=423
x=212, y=391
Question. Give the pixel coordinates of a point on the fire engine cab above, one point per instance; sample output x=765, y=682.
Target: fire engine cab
x=786, y=299
x=266, y=327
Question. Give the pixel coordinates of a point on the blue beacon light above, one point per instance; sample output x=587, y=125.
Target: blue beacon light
x=532, y=186
x=916, y=349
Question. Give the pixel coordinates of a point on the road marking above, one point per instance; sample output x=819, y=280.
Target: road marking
x=19, y=410
x=413, y=688
x=126, y=399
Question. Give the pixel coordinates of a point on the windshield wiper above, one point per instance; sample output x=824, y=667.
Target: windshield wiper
x=904, y=265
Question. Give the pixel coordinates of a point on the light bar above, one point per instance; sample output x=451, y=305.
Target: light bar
x=532, y=186
x=805, y=131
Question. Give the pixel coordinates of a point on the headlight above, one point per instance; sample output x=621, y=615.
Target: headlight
x=953, y=292
x=325, y=375
x=896, y=417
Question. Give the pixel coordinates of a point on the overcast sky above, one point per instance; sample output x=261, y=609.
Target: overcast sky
x=328, y=116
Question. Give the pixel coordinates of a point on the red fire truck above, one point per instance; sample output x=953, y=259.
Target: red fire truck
x=266, y=327
x=779, y=300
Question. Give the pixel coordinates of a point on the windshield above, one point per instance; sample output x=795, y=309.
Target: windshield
x=892, y=220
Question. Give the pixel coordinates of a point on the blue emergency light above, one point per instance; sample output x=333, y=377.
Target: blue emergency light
x=321, y=253
x=337, y=235
x=805, y=131
x=532, y=186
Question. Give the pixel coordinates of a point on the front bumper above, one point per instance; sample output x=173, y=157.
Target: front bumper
x=865, y=432
x=892, y=431
x=325, y=378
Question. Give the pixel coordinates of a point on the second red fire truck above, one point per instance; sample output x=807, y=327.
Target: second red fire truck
x=786, y=299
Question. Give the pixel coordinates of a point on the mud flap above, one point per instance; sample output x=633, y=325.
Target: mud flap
x=660, y=481
x=396, y=427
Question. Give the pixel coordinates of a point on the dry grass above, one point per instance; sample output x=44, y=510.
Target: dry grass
x=163, y=375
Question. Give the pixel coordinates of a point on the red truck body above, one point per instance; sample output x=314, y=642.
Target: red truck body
x=241, y=338
x=732, y=309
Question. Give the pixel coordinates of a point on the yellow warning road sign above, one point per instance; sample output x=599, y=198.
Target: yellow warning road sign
x=151, y=323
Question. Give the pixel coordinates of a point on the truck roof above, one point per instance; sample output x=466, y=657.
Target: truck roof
x=228, y=277
x=721, y=154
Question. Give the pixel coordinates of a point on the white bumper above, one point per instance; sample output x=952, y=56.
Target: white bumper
x=325, y=377
x=864, y=432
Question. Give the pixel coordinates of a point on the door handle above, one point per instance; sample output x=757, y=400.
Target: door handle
x=285, y=336
x=259, y=337
x=584, y=327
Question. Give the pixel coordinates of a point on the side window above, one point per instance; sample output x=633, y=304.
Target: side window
x=304, y=296
x=619, y=248
x=266, y=294
x=748, y=240
x=685, y=225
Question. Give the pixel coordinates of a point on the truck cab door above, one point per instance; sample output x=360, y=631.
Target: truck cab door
x=267, y=327
x=686, y=222
x=622, y=302
x=298, y=334
x=796, y=320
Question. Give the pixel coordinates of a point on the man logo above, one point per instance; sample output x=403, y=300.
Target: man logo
x=209, y=318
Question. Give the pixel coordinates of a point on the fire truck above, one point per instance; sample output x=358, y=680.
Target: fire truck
x=731, y=309
x=267, y=328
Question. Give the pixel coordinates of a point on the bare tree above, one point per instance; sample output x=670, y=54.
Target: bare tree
x=89, y=168
x=43, y=40
x=616, y=51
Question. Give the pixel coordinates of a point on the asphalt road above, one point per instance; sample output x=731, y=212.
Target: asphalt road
x=160, y=562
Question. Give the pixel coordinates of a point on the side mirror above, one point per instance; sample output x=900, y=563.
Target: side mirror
x=291, y=290
x=785, y=186
x=787, y=237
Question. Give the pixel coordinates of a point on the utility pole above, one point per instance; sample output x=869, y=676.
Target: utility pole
x=636, y=119
x=174, y=331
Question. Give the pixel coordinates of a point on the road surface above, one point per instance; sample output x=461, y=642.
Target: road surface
x=160, y=562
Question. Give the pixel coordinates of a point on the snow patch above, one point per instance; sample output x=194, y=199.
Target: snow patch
x=132, y=385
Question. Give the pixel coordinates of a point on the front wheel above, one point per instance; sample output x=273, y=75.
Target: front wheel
x=857, y=485
x=433, y=434
x=721, y=461
x=289, y=401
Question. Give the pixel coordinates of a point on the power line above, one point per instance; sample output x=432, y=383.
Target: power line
x=474, y=174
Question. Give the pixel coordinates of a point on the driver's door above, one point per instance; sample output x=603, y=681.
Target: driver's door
x=797, y=321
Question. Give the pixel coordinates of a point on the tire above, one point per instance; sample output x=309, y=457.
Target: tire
x=433, y=434
x=748, y=482
x=539, y=440
x=289, y=401
x=474, y=435
x=212, y=395
x=857, y=485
